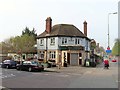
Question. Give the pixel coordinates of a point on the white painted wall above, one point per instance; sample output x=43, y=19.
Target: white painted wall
x=87, y=45
x=58, y=42
x=49, y=45
x=55, y=46
x=40, y=46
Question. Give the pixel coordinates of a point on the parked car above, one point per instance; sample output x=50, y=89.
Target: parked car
x=1, y=64
x=52, y=63
x=8, y=64
x=30, y=66
x=114, y=60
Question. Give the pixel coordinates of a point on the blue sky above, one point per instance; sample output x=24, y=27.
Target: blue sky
x=15, y=15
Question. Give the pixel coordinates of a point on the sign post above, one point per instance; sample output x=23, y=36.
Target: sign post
x=108, y=51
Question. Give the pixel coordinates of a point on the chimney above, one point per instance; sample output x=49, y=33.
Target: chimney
x=85, y=28
x=48, y=24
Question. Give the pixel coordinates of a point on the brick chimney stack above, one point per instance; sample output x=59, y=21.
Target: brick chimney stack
x=85, y=28
x=48, y=24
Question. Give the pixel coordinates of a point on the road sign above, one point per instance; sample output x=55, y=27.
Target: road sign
x=108, y=48
x=108, y=51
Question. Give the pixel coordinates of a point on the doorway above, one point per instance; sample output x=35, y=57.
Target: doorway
x=68, y=58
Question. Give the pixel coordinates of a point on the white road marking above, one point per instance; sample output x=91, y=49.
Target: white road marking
x=6, y=76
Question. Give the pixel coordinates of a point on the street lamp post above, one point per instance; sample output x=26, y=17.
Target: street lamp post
x=108, y=29
x=108, y=48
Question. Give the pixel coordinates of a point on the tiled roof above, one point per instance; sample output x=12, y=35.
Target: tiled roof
x=63, y=30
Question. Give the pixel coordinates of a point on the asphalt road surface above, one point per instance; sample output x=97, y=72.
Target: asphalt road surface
x=69, y=77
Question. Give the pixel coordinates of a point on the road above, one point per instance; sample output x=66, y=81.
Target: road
x=69, y=77
x=98, y=78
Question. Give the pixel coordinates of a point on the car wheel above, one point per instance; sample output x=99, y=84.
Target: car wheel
x=42, y=69
x=17, y=68
x=30, y=69
x=7, y=66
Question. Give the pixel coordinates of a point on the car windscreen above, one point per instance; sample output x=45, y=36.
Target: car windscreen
x=9, y=62
x=35, y=63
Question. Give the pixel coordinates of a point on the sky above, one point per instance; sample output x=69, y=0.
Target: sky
x=15, y=15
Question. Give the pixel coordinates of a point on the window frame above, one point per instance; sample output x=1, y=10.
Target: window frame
x=64, y=40
x=52, y=41
x=41, y=42
x=41, y=55
x=52, y=55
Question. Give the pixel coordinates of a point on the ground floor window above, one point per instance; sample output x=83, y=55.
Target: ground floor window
x=52, y=55
x=41, y=55
x=30, y=56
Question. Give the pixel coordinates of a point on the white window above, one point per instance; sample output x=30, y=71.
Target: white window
x=64, y=40
x=77, y=41
x=41, y=42
x=52, y=41
x=41, y=55
x=52, y=55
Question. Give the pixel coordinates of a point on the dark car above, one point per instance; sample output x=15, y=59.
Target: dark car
x=8, y=64
x=30, y=66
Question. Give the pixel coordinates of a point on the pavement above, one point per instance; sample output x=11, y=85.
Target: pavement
x=98, y=78
x=91, y=77
x=75, y=69
x=70, y=69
